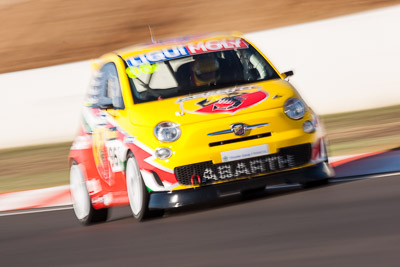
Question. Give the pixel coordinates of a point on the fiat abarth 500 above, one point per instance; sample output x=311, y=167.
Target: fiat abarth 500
x=189, y=121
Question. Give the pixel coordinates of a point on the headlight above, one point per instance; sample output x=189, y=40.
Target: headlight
x=294, y=108
x=308, y=127
x=167, y=131
x=163, y=152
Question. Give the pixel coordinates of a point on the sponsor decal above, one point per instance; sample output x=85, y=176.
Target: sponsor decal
x=129, y=139
x=93, y=186
x=187, y=50
x=81, y=142
x=158, y=56
x=216, y=45
x=245, y=168
x=216, y=92
x=227, y=101
x=224, y=103
x=244, y=153
x=100, y=153
x=134, y=72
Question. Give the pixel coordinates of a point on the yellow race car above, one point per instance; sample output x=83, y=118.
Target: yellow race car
x=188, y=121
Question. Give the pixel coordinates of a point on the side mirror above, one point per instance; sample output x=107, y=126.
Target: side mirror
x=105, y=103
x=287, y=74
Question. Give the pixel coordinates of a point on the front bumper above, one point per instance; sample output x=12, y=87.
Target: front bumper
x=205, y=194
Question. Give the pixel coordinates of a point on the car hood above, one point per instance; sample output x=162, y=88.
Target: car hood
x=215, y=104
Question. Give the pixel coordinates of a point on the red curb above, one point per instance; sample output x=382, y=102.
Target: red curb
x=343, y=161
x=59, y=198
x=48, y=201
x=39, y=198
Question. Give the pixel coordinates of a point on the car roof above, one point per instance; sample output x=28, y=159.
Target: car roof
x=168, y=43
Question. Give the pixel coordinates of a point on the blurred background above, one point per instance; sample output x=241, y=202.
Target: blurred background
x=42, y=33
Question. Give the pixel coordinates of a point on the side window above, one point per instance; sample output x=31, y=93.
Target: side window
x=109, y=86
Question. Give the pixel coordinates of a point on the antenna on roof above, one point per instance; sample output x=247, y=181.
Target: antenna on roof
x=153, y=40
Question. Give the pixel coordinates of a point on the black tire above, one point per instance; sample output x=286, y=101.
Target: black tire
x=137, y=191
x=82, y=204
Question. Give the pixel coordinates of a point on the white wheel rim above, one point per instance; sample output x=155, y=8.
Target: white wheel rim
x=134, y=186
x=79, y=193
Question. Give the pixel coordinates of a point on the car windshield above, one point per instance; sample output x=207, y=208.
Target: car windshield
x=170, y=73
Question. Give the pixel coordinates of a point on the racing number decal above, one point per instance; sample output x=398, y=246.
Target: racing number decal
x=107, y=153
x=100, y=153
x=114, y=150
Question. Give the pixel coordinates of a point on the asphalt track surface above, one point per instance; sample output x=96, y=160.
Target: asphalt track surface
x=350, y=223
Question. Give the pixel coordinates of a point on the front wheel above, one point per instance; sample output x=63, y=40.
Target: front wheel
x=83, y=208
x=137, y=192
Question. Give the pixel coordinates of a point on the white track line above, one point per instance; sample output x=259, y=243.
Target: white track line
x=368, y=176
x=19, y=212
x=374, y=176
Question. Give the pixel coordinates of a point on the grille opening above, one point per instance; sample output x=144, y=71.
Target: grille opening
x=204, y=173
x=157, y=178
x=225, y=142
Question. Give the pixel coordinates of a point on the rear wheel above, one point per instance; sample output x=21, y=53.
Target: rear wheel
x=137, y=192
x=83, y=208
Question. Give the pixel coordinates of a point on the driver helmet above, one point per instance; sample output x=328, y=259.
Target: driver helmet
x=205, y=69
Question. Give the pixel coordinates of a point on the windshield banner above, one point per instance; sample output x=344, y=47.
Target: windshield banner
x=187, y=50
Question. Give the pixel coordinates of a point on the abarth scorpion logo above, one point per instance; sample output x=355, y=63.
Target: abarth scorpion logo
x=225, y=103
x=238, y=129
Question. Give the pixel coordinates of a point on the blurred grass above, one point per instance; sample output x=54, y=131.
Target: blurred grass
x=19, y=182
x=363, y=131
x=34, y=167
x=348, y=133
